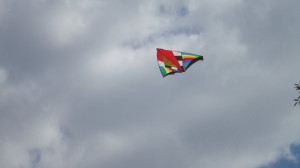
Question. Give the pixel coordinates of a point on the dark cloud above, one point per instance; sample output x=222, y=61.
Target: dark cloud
x=80, y=86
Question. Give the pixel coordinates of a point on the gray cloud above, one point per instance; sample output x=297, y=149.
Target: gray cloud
x=80, y=86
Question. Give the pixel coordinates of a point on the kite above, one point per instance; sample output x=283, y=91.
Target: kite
x=171, y=62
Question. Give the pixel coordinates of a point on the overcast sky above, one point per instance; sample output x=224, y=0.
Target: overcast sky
x=80, y=85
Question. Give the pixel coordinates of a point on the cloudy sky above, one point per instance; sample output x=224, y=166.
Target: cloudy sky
x=80, y=86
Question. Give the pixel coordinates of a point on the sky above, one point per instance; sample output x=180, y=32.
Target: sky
x=80, y=84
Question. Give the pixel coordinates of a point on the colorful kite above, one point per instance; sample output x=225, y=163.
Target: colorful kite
x=171, y=62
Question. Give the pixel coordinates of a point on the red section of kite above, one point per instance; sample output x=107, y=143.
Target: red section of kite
x=168, y=56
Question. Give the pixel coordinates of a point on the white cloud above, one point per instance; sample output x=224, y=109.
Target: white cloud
x=66, y=26
x=91, y=94
x=9, y=153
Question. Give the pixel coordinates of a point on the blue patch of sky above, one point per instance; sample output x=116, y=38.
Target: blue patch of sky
x=162, y=9
x=180, y=11
x=35, y=155
x=181, y=30
x=137, y=44
x=66, y=133
x=187, y=30
x=286, y=163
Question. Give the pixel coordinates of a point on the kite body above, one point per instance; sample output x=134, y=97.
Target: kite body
x=171, y=62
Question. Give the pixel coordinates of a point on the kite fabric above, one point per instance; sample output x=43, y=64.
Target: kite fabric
x=171, y=62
